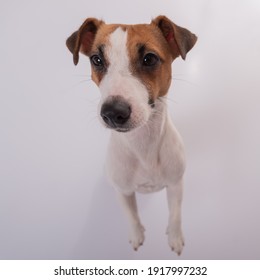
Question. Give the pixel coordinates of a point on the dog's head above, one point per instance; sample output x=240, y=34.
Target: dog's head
x=131, y=64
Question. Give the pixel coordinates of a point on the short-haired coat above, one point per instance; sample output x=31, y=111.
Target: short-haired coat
x=131, y=64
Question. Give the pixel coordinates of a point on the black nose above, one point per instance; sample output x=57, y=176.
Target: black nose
x=115, y=112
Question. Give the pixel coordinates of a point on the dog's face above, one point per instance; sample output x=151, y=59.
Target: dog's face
x=131, y=64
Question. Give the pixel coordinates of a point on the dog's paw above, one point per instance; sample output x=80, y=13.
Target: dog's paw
x=175, y=240
x=136, y=236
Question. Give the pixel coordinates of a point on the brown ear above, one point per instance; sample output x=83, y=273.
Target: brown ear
x=179, y=39
x=83, y=39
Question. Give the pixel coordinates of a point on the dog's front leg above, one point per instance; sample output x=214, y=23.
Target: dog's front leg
x=174, y=230
x=136, y=230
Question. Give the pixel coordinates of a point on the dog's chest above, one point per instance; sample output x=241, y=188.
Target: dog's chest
x=146, y=163
x=139, y=169
x=148, y=179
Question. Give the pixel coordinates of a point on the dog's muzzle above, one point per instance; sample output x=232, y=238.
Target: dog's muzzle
x=115, y=112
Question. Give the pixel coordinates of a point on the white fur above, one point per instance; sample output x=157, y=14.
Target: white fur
x=149, y=157
x=120, y=81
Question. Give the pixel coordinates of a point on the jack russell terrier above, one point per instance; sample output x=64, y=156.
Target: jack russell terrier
x=131, y=65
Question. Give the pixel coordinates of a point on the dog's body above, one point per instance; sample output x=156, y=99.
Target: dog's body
x=131, y=64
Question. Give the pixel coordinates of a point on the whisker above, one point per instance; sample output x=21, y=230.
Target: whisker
x=164, y=100
x=82, y=81
x=178, y=74
x=93, y=119
x=172, y=100
x=185, y=81
x=80, y=75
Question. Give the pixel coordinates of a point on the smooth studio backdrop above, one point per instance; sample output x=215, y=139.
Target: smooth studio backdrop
x=55, y=202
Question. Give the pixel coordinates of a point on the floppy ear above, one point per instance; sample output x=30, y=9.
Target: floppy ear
x=179, y=39
x=82, y=40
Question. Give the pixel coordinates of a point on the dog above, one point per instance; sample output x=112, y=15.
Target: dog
x=131, y=65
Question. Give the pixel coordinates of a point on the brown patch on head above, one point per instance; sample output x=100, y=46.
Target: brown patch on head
x=99, y=47
x=162, y=40
x=150, y=59
x=92, y=39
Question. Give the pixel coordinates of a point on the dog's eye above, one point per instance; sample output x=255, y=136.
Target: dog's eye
x=97, y=61
x=150, y=59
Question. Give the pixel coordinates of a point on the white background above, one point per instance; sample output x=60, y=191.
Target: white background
x=55, y=202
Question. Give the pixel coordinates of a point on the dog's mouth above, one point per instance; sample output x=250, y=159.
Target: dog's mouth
x=119, y=128
x=122, y=129
x=129, y=126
